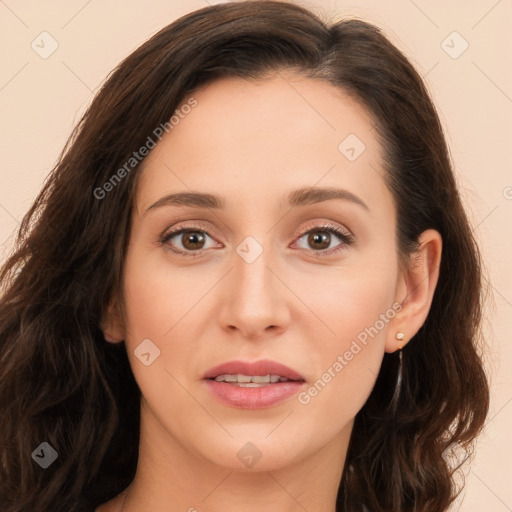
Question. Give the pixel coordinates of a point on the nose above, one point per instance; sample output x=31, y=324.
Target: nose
x=254, y=300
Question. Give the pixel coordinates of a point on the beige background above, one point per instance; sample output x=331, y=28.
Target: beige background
x=41, y=100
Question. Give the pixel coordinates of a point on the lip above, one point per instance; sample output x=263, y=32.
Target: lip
x=253, y=397
x=262, y=367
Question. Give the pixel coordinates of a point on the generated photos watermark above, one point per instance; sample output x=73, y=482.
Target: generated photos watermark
x=343, y=360
x=137, y=156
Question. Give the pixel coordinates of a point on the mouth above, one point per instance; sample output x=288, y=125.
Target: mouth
x=271, y=383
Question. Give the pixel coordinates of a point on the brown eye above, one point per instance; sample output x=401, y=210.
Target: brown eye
x=319, y=239
x=193, y=240
x=324, y=240
x=188, y=241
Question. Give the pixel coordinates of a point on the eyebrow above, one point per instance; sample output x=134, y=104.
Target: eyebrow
x=300, y=197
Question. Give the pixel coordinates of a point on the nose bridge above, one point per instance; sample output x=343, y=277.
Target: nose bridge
x=251, y=273
x=255, y=298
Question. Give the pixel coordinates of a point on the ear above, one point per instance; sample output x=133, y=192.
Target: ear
x=415, y=289
x=112, y=324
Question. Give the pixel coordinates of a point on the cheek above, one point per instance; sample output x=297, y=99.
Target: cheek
x=160, y=306
x=168, y=306
x=347, y=356
x=157, y=298
x=349, y=300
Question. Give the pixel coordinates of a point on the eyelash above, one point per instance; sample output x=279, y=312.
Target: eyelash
x=346, y=238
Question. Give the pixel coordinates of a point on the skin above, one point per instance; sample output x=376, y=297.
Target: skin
x=252, y=143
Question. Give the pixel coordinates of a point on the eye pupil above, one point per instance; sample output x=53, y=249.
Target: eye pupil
x=324, y=239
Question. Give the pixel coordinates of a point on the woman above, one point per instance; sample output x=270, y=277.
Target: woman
x=249, y=281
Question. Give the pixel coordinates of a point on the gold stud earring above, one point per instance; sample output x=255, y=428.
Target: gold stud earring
x=400, y=336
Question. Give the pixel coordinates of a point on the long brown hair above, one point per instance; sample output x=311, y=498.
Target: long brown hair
x=61, y=383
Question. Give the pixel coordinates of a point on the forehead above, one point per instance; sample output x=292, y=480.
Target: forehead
x=283, y=109
x=254, y=137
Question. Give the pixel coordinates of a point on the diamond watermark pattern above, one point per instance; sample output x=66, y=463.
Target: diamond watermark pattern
x=351, y=147
x=146, y=352
x=44, y=455
x=249, y=455
x=44, y=45
x=249, y=249
x=454, y=45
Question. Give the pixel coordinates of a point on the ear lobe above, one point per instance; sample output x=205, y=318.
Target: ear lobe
x=415, y=291
x=110, y=338
x=112, y=324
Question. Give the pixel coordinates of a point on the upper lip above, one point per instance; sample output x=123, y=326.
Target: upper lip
x=262, y=367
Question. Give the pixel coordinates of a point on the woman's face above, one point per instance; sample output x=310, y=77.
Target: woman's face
x=261, y=273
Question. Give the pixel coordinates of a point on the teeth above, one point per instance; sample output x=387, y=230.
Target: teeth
x=250, y=379
x=261, y=379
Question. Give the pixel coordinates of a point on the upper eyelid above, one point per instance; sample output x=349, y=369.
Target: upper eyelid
x=316, y=225
x=196, y=226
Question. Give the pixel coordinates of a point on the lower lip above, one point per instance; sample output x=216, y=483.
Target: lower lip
x=252, y=398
